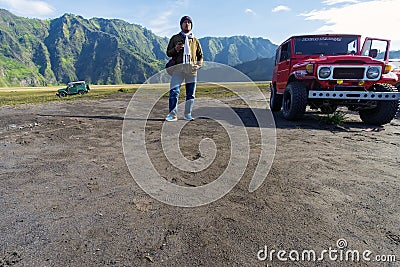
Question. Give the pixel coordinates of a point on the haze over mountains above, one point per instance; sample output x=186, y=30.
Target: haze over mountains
x=37, y=52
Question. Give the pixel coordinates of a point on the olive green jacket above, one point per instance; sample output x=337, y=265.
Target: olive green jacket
x=195, y=51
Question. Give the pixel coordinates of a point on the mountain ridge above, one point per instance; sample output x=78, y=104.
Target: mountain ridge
x=36, y=52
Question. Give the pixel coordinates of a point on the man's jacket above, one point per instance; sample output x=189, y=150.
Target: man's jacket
x=195, y=51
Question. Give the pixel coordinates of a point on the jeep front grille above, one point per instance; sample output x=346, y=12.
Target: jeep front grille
x=348, y=73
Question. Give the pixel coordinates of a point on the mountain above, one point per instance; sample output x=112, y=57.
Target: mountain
x=103, y=51
x=40, y=52
x=37, y=52
x=394, y=54
x=22, y=50
x=259, y=69
x=236, y=50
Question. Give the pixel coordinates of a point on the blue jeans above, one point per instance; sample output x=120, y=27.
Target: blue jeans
x=175, y=87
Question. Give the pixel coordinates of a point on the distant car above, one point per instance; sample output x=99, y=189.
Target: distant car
x=73, y=88
x=396, y=70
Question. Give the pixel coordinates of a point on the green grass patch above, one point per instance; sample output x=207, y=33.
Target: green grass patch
x=125, y=90
x=26, y=97
x=337, y=118
x=38, y=95
x=20, y=96
x=211, y=91
x=219, y=90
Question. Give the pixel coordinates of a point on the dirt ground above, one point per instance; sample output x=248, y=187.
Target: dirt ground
x=67, y=197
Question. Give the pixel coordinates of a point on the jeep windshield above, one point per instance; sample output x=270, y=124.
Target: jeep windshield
x=326, y=45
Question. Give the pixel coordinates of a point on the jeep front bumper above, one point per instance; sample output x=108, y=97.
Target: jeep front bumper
x=354, y=95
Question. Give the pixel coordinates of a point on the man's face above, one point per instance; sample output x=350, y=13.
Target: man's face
x=186, y=26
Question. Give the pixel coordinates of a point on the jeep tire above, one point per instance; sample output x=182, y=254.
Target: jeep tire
x=275, y=100
x=294, y=101
x=81, y=92
x=62, y=94
x=385, y=110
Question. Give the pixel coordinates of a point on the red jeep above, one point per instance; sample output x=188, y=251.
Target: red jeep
x=330, y=70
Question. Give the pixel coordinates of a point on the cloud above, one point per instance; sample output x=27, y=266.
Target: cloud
x=163, y=26
x=167, y=22
x=334, y=2
x=250, y=11
x=29, y=7
x=281, y=8
x=377, y=18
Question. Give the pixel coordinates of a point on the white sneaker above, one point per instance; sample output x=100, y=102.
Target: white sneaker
x=171, y=118
x=189, y=117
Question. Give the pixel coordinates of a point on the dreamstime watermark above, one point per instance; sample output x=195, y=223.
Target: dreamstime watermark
x=140, y=162
x=340, y=253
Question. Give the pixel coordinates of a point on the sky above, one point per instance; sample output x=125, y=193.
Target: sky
x=275, y=20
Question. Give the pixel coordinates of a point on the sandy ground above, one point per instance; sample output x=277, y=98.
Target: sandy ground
x=67, y=197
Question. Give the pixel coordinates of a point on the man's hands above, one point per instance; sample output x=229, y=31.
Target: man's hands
x=179, y=46
x=196, y=67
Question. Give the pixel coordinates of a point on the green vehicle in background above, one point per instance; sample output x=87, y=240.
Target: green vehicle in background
x=73, y=88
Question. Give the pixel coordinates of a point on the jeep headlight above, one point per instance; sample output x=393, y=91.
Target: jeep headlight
x=310, y=68
x=373, y=73
x=388, y=68
x=324, y=72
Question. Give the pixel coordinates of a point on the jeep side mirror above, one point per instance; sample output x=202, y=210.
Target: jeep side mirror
x=284, y=55
x=373, y=53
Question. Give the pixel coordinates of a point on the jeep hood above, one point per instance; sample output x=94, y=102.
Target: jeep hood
x=348, y=59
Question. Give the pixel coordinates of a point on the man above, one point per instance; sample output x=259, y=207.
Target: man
x=186, y=50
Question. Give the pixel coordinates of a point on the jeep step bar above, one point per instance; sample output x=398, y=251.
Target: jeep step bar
x=354, y=95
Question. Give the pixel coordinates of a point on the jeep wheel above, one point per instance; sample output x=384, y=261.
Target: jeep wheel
x=62, y=94
x=275, y=100
x=384, y=112
x=81, y=92
x=294, y=101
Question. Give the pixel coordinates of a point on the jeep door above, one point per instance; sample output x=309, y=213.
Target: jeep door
x=73, y=89
x=80, y=87
x=376, y=48
x=283, y=66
